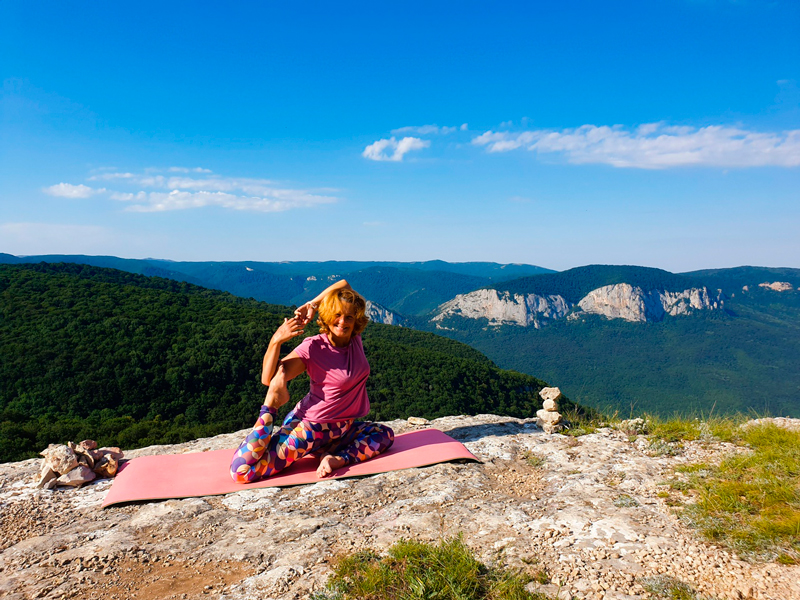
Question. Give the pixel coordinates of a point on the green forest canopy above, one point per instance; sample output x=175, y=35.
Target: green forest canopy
x=129, y=360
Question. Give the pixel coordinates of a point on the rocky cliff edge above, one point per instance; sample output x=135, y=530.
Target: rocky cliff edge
x=586, y=509
x=618, y=301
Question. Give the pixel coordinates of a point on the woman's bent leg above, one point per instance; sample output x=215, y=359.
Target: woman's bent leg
x=365, y=440
x=264, y=453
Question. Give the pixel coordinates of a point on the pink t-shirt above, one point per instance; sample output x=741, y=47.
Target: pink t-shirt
x=338, y=380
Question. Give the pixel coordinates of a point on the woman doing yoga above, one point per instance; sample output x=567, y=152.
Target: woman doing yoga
x=324, y=422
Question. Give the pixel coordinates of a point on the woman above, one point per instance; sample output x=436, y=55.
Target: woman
x=324, y=422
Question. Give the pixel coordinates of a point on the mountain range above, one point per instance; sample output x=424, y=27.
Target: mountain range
x=621, y=338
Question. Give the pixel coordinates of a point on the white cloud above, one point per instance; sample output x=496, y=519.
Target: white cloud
x=378, y=150
x=185, y=170
x=111, y=176
x=423, y=130
x=655, y=145
x=428, y=130
x=68, y=190
x=153, y=193
x=280, y=200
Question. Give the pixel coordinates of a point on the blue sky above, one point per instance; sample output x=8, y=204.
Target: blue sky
x=658, y=133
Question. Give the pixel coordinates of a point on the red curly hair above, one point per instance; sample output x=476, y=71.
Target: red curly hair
x=333, y=304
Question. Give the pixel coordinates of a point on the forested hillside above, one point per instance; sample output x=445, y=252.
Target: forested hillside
x=413, y=288
x=130, y=360
x=731, y=281
x=740, y=359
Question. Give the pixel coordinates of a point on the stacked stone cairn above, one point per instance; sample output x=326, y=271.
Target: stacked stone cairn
x=76, y=464
x=548, y=417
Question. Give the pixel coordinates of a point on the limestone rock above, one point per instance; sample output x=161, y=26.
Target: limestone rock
x=61, y=458
x=632, y=303
x=550, y=393
x=618, y=301
x=77, y=476
x=46, y=475
x=590, y=508
x=88, y=445
x=500, y=307
x=107, y=466
x=378, y=314
x=549, y=421
x=777, y=286
x=417, y=421
x=113, y=451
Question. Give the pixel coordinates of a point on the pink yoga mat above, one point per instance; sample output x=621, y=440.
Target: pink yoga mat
x=207, y=473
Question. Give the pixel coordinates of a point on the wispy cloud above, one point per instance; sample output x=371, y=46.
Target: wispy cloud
x=68, y=190
x=187, y=170
x=111, y=176
x=655, y=145
x=181, y=200
x=393, y=150
x=197, y=188
x=428, y=130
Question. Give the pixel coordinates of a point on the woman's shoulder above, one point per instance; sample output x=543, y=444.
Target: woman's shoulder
x=310, y=344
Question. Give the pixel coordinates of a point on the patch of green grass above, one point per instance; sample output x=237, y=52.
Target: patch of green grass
x=663, y=586
x=680, y=428
x=702, y=468
x=417, y=570
x=751, y=502
x=625, y=501
x=534, y=460
x=583, y=423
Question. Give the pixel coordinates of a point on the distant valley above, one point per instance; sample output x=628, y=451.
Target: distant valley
x=621, y=338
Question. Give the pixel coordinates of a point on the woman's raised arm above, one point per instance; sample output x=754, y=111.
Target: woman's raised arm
x=307, y=311
x=290, y=328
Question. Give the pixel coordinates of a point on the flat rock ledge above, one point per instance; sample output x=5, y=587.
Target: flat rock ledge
x=586, y=509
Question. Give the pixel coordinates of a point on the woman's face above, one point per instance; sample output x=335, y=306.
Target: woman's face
x=342, y=323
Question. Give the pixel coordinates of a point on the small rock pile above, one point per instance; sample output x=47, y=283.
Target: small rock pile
x=75, y=464
x=548, y=417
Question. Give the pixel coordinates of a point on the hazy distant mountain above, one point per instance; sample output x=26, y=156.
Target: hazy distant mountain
x=413, y=288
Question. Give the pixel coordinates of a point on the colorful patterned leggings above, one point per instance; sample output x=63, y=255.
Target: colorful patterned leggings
x=264, y=453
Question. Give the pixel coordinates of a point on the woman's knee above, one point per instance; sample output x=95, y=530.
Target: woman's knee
x=241, y=472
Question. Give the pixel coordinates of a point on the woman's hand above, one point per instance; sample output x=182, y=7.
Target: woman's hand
x=306, y=312
x=290, y=328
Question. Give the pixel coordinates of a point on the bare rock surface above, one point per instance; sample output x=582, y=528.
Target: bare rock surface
x=618, y=301
x=587, y=509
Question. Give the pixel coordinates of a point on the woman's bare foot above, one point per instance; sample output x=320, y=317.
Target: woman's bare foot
x=328, y=464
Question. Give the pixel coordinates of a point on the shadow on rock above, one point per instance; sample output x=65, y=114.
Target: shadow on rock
x=473, y=433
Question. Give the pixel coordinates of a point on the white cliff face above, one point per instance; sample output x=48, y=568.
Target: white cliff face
x=379, y=314
x=619, y=301
x=505, y=308
x=624, y=301
x=777, y=286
